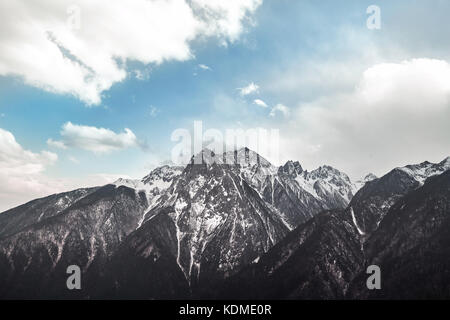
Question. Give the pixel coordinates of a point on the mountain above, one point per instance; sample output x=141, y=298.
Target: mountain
x=299, y=195
x=362, y=182
x=85, y=233
x=217, y=220
x=326, y=257
x=227, y=210
x=83, y=227
x=329, y=185
x=13, y=220
x=154, y=184
x=317, y=260
x=373, y=200
x=183, y=229
x=412, y=246
x=231, y=225
x=421, y=172
x=145, y=265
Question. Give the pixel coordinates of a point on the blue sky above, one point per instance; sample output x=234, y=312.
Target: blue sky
x=308, y=56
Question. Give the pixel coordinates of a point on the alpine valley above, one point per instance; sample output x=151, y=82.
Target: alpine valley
x=235, y=226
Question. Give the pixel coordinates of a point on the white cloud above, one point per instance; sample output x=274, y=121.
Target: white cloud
x=260, y=103
x=397, y=114
x=204, y=67
x=97, y=140
x=280, y=108
x=56, y=144
x=22, y=172
x=41, y=41
x=249, y=89
x=224, y=18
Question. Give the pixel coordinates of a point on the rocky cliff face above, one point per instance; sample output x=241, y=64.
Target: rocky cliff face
x=12, y=221
x=373, y=200
x=317, y=260
x=219, y=222
x=412, y=245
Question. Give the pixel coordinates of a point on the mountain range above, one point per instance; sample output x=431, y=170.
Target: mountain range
x=233, y=225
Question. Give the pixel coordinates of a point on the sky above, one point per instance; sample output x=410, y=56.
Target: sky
x=95, y=90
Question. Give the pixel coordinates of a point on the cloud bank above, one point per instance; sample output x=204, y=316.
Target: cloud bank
x=397, y=114
x=81, y=48
x=22, y=172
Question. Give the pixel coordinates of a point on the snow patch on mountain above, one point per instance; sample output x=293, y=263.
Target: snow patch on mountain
x=129, y=183
x=421, y=172
x=355, y=222
x=326, y=182
x=153, y=185
x=358, y=184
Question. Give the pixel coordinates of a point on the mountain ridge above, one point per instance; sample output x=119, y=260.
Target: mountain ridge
x=205, y=223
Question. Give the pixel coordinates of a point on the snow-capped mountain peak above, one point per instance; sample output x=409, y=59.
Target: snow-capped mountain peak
x=421, y=172
x=370, y=177
x=445, y=163
x=153, y=184
x=164, y=174
x=292, y=168
x=129, y=183
x=358, y=184
x=328, y=173
x=326, y=184
x=254, y=168
x=206, y=157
